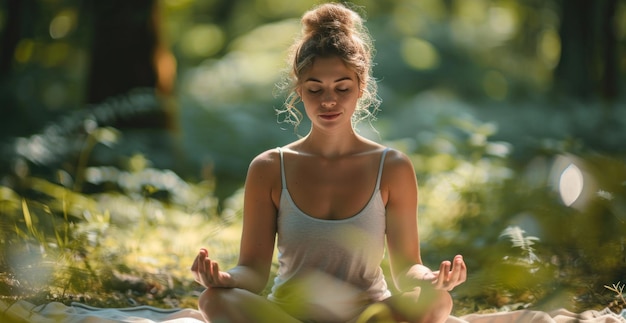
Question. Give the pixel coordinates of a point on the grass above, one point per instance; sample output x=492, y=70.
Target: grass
x=108, y=249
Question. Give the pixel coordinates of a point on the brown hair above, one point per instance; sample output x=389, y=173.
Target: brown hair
x=332, y=29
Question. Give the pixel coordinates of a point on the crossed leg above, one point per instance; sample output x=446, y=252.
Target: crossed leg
x=233, y=305
x=420, y=305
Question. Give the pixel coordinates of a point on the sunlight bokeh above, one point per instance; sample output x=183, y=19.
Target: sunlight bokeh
x=571, y=183
x=575, y=187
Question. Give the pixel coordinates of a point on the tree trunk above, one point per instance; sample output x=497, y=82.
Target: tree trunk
x=588, y=67
x=11, y=36
x=128, y=53
x=610, y=81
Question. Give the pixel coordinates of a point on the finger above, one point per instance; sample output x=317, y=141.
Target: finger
x=208, y=274
x=446, y=266
x=459, y=272
x=215, y=273
x=201, y=260
x=452, y=276
x=199, y=271
x=455, y=274
x=444, y=272
x=194, y=272
x=460, y=269
x=463, y=276
x=194, y=266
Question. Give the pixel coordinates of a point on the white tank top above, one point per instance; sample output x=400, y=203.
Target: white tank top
x=329, y=269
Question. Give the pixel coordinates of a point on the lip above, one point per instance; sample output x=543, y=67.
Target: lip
x=330, y=116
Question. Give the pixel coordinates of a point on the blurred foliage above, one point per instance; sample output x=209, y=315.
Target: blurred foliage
x=519, y=171
x=131, y=242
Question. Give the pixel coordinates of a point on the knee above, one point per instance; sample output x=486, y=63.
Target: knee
x=423, y=305
x=439, y=307
x=213, y=302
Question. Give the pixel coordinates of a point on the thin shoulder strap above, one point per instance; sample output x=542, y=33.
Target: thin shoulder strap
x=380, y=168
x=282, y=168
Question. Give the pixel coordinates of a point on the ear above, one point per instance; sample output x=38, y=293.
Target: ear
x=299, y=91
x=362, y=87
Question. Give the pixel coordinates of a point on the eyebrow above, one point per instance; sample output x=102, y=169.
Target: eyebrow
x=311, y=79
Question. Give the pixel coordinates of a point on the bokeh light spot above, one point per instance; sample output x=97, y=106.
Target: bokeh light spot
x=62, y=24
x=495, y=85
x=571, y=184
x=24, y=50
x=549, y=47
x=202, y=41
x=55, y=54
x=502, y=22
x=419, y=54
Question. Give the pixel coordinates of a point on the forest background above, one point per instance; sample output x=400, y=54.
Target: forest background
x=127, y=128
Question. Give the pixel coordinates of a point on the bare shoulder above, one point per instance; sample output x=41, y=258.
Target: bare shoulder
x=397, y=161
x=265, y=165
x=267, y=158
x=398, y=171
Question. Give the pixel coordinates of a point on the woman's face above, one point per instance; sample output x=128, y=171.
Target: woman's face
x=330, y=91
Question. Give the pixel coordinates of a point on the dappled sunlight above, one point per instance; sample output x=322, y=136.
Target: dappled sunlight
x=495, y=85
x=484, y=22
x=202, y=40
x=62, y=198
x=63, y=23
x=255, y=63
x=574, y=186
x=516, y=170
x=36, y=148
x=24, y=50
x=571, y=183
x=503, y=21
x=169, y=246
x=441, y=195
x=331, y=299
x=32, y=269
x=549, y=47
x=145, y=181
x=272, y=38
x=280, y=8
x=419, y=54
x=130, y=238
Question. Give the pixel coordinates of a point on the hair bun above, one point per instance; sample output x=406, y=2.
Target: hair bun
x=330, y=19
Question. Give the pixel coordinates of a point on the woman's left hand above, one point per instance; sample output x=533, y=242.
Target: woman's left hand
x=450, y=274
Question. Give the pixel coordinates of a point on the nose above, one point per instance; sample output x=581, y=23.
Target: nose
x=328, y=101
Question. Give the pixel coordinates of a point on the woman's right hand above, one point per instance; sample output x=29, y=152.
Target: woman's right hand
x=207, y=272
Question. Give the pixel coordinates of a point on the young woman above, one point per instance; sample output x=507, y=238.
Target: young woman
x=333, y=200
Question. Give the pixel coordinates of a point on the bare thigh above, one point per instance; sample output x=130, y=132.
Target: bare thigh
x=234, y=305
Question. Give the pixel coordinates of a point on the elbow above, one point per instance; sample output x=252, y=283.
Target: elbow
x=259, y=286
x=411, y=277
x=249, y=279
x=403, y=284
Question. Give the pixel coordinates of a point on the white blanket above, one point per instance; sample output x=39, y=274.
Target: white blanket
x=22, y=311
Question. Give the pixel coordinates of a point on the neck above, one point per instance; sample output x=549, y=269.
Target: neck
x=331, y=145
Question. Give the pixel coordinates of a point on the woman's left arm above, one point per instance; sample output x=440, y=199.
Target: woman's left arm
x=399, y=184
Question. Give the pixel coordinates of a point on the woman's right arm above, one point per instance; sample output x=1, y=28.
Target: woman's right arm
x=262, y=190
